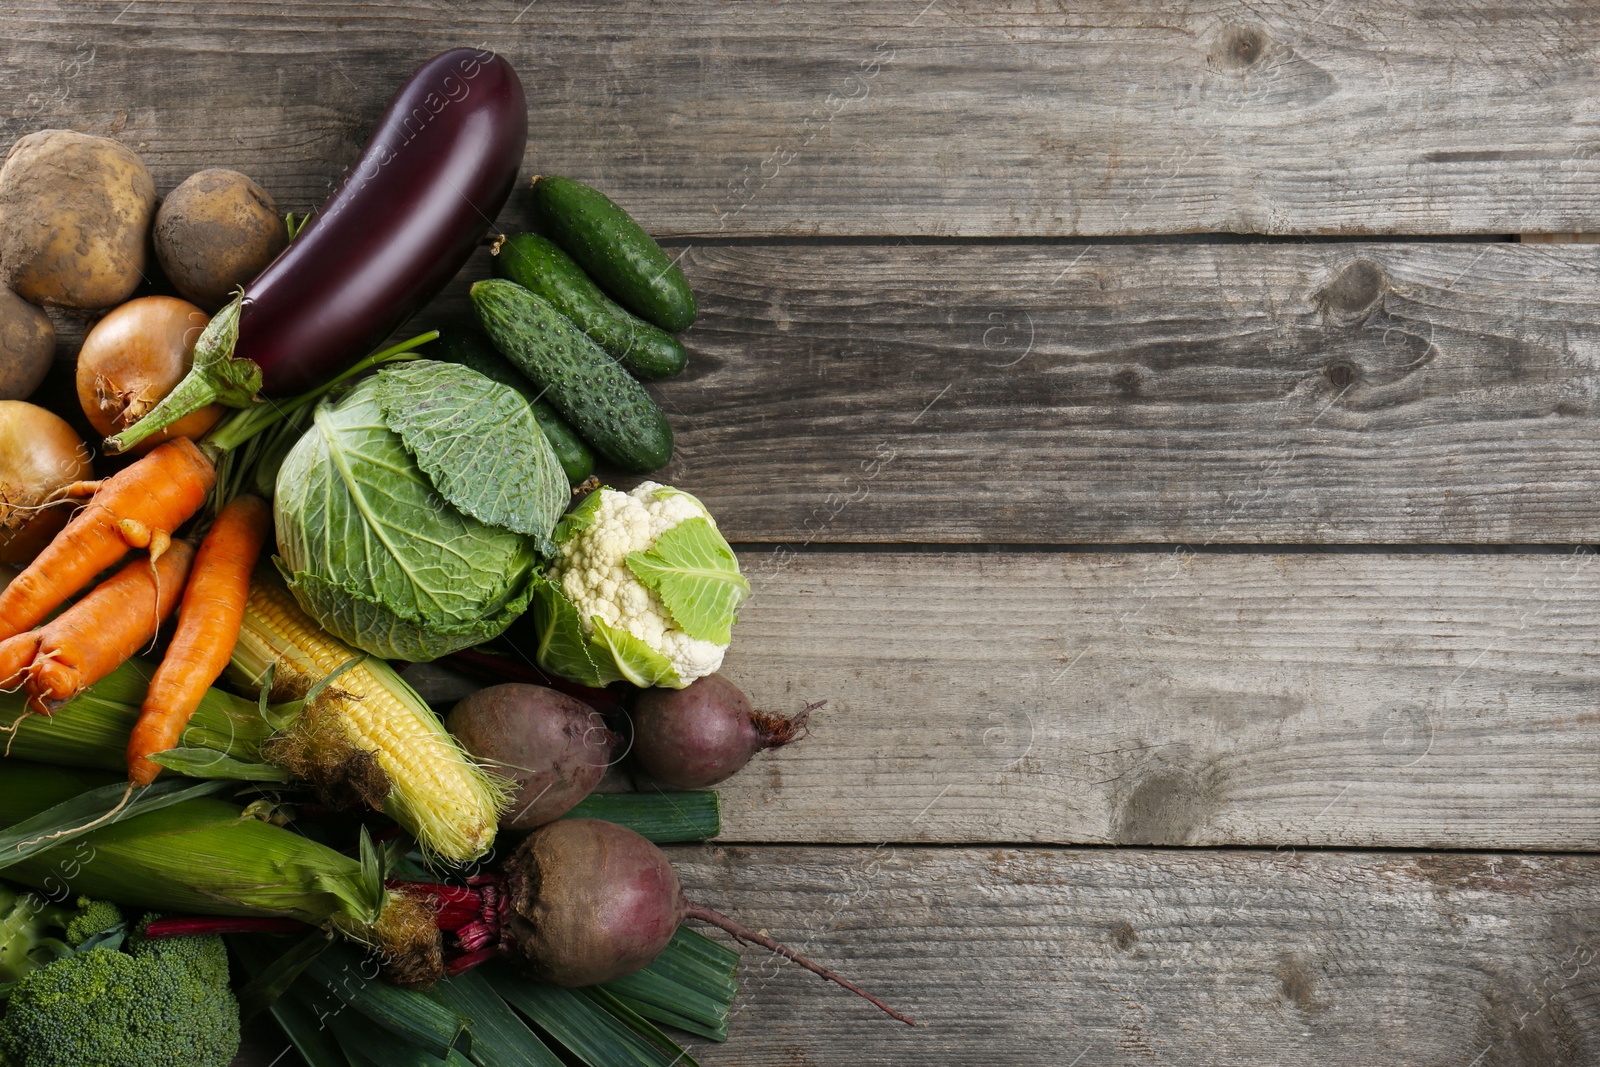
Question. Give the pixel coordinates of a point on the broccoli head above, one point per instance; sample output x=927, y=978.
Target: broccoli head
x=34, y=932
x=93, y=917
x=207, y=957
x=163, y=1003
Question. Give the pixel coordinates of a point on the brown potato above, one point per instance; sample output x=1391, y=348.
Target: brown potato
x=75, y=213
x=27, y=345
x=216, y=231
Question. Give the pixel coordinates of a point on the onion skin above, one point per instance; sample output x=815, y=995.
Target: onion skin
x=39, y=453
x=437, y=169
x=135, y=356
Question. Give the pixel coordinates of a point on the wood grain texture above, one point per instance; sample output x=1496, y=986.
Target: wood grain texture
x=1032, y=957
x=1143, y=393
x=1405, y=701
x=909, y=117
x=1411, y=701
x=1112, y=394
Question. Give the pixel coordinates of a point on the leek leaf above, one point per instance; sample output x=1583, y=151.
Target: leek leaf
x=499, y=1036
x=664, y=818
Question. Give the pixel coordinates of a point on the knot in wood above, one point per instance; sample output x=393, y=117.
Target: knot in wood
x=1239, y=47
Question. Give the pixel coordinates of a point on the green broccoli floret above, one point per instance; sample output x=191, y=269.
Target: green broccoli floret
x=94, y=917
x=207, y=957
x=161, y=1004
x=30, y=932
x=34, y=932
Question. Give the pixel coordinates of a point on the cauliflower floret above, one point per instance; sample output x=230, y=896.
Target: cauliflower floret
x=593, y=573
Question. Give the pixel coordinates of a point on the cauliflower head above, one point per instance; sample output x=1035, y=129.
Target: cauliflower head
x=643, y=588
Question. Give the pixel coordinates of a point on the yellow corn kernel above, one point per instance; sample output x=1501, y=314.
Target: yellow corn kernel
x=436, y=791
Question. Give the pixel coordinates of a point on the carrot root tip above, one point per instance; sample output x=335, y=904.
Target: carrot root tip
x=134, y=532
x=160, y=541
x=127, y=795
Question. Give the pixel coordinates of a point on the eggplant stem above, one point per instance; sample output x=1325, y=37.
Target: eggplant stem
x=215, y=377
x=743, y=933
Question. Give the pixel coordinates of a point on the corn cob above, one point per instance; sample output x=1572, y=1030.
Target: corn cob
x=364, y=715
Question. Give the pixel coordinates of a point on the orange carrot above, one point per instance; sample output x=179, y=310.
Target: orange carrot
x=157, y=494
x=208, y=628
x=96, y=635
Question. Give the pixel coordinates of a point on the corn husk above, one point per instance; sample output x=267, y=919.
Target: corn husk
x=222, y=740
x=212, y=857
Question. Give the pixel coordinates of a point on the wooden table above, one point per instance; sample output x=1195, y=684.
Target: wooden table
x=1204, y=623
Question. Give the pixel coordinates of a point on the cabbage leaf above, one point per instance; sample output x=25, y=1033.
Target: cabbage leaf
x=478, y=443
x=372, y=551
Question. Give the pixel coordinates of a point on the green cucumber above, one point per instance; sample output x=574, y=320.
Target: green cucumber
x=468, y=347
x=608, y=408
x=573, y=455
x=539, y=266
x=615, y=251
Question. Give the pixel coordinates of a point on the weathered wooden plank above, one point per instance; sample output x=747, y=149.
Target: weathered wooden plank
x=1038, y=957
x=909, y=117
x=1144, y=393
x=1561, y=238
x=1200, y=394
x=1211, y=699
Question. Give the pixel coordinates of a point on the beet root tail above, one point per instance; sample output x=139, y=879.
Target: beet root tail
x=743, y=933
x=776, y=730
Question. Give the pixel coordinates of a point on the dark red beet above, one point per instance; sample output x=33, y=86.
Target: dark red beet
x=555, y=747
x=591, y=902
x=695, y=737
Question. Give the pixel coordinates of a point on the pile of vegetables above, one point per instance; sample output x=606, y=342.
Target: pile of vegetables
x=201, y=650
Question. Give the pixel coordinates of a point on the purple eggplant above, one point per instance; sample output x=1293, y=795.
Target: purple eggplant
x=436, y=171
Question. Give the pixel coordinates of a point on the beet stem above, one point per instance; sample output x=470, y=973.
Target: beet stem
x=464, y=963
x=209, y=924
x=741, y=932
